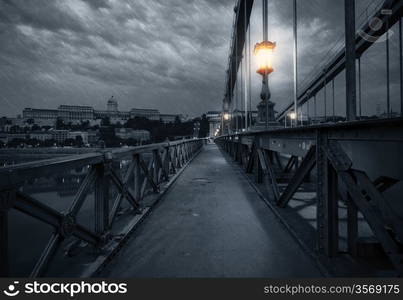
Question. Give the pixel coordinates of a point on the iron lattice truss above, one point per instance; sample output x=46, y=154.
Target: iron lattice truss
x=150, y=171
x=320, y=148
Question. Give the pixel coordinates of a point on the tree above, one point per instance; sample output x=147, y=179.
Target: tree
x=48, y=143
x=85, y=125
x=16, y=129
x=106, y=122
x=177, y=120
x=60, y=124
x=69, y=142
x=16, y=143
x=79, y=141
x=35, y=127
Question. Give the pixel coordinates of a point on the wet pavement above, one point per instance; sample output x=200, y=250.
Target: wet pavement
x=211, y=224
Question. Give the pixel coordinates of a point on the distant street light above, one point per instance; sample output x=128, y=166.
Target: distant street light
x=226, y=116
x=292, y=115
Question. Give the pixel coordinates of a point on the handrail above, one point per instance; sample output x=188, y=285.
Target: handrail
x=44, y=166
x=389, y=129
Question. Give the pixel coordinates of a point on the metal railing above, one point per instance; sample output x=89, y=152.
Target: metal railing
x=318, y=162
x=149, y=171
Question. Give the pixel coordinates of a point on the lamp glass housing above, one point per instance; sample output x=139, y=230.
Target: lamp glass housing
x=264, y=53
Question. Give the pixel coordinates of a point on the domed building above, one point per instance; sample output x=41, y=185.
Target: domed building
x=112, y=105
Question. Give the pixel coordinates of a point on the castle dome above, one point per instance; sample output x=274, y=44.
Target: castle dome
x=112, y=104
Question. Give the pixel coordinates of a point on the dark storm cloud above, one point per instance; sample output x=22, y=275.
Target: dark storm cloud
x=165, y=54
x=148, y=53
x=98, y=3
x=43, y=15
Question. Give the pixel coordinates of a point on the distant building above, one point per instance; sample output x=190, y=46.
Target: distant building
x=8, y=137
x=112, y=105
x=93, y=136
x=141, y=135
x=41, y=136
x=4, y=121
x=128, y=133
x=214, y=120
x=40, y=114
x=119, y=115
x=4, y=124
x=3, y=138
x=168, y=118
x=75, y=113
x=151, y=114
x=78, y=134
x=112, y=112
x=60, y=135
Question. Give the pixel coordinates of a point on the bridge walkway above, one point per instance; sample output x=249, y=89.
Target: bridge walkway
x=211, y=224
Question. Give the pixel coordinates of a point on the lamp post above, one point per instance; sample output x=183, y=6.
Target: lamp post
x=225, y=116
x=225, y=120
x=264, y=55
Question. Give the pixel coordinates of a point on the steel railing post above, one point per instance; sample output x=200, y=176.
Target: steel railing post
x=6, y=200
x=137, y=177
x=155, y=167
x=101, y=206
x=327, y=199
x=352, y=226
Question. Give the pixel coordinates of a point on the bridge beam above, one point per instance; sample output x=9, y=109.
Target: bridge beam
x=351, y=93
x=242, y=16
x=327, y=200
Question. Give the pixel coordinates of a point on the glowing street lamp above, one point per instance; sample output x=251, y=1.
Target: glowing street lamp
x=225, y=121
x=264, y=57
x=292, y=115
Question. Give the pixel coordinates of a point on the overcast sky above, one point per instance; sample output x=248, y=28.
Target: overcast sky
x=165, y=54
